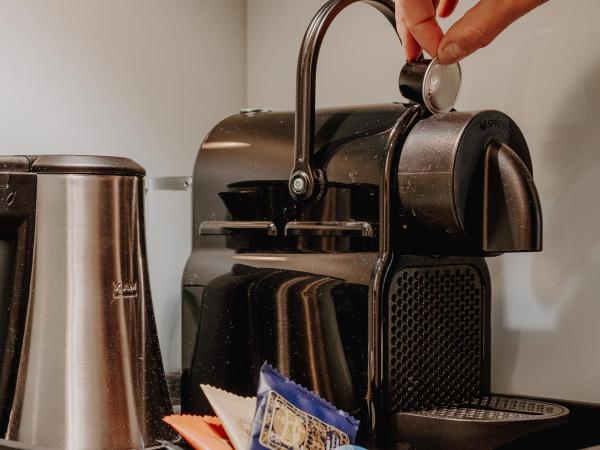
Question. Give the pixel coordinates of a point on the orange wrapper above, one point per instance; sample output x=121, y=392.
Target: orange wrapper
x=217, y=426
x=202, y=433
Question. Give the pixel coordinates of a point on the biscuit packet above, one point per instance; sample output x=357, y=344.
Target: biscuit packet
x=289, y=416
x=201, y=433
x=235, y=412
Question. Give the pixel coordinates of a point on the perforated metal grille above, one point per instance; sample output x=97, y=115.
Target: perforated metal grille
x=515, y=404
x=487, y=409
x=435, y=337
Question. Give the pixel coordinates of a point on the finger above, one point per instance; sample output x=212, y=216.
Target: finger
x=446, y=7
x=412, y=49
x=480, y=26
x=419, y=18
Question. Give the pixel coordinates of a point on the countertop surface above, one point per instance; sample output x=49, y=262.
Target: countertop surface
x=11, y=445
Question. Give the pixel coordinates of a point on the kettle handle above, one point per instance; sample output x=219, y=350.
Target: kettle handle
x=17, y=232
x=304, y=176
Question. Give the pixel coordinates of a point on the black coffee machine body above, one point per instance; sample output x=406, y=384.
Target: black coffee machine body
x=347, y=248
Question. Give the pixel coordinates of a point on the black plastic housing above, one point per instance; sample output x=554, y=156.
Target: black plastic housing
x=315, y=286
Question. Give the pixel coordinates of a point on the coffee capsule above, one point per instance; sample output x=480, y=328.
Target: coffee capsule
x=434, y=85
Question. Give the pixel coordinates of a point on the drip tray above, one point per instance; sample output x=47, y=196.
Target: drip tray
x=495, y=408
x=484, y=423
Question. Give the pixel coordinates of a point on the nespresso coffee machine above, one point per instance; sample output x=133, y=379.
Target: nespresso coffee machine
x=347, y=248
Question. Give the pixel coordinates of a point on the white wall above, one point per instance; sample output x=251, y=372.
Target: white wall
x=359, y=62
x=543, y=72
x=146, y=79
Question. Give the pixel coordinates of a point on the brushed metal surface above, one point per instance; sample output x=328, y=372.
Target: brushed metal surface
x=91, y=375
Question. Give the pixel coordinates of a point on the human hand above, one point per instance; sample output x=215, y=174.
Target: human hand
x=419, y=29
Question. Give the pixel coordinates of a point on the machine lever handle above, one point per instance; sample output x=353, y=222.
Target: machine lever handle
x=304, y=177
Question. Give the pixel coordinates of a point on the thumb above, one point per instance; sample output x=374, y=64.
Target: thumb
x=480, y=26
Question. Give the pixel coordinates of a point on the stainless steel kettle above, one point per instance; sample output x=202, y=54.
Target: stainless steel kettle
x=81, y=365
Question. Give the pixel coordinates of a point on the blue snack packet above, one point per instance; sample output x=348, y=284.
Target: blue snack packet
x=290, y=417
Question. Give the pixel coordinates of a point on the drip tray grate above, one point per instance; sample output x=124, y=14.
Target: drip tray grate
x=483, y=423
x=496, y=408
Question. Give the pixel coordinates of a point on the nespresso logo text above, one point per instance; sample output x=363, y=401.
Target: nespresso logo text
x=125, y=289
x=494, y=123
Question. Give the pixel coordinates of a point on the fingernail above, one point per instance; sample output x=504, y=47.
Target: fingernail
x=414, y=57
x=451, y=53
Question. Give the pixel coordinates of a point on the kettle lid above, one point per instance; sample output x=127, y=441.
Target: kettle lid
x=72, y=164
